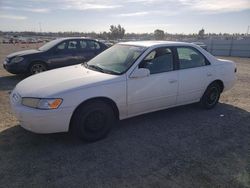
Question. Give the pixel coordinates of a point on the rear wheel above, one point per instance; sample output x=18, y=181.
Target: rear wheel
x=93, y=121
x=36, y=68
x=211, y=96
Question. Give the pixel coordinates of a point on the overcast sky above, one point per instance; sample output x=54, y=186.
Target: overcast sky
x=172, y=16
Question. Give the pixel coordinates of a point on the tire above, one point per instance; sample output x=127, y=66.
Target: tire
x=36, y=68
x=93, y=121
x=211, y=96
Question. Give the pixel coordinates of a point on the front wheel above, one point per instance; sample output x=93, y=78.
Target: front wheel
x=93, y=121
x=211, y=96
x=36, y=68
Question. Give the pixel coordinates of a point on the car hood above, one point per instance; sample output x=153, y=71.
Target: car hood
x=22, y=53
x=58, y=81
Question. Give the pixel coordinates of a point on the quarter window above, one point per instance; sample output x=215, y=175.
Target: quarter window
x=190, y=58
x=158, y=61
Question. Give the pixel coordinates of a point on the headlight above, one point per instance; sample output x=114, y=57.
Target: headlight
x=45, y=104
x=16, y=59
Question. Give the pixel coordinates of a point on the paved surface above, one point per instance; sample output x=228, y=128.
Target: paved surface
x=180, y=147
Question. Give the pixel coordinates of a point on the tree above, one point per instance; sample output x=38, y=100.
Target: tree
x=201, y=33
x=159, y=34
x=116, y=32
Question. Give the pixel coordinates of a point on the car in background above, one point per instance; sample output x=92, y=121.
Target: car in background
x=126, y=80
x=201, y=44
x=54, y=54
x=6, y=41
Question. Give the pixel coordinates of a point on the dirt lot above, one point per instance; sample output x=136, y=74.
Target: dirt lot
x=181, y=147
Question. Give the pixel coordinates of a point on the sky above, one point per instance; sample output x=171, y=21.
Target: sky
x=138, y=16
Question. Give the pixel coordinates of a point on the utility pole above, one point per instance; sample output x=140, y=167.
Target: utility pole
x=248, y=27
x=40, y=27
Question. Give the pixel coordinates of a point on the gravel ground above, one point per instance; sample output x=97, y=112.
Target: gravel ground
x=180, y=147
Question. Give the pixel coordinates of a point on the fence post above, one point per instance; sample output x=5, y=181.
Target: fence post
x=211, y=46
x=231, y=46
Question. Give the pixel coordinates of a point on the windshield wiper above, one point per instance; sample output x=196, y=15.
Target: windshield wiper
x=97, y=68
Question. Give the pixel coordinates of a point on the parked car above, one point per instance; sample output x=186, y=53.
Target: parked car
x=6, y=41
x=201, y=44
x=126, y=80
x=54, y=54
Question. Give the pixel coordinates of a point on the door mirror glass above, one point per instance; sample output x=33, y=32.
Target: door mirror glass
x=140, y=73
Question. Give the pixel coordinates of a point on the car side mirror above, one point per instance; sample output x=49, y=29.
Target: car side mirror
x=140, y=73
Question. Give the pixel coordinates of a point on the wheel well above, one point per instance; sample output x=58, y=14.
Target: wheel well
x=102, y=99
x=220, y=83
x=38, y=61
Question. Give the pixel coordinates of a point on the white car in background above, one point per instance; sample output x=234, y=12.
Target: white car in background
x=126, y=80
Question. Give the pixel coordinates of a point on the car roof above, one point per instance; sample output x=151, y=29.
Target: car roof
x=156, y=43
x=70, y=38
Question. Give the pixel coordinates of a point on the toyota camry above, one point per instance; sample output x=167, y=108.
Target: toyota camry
x=126, y=80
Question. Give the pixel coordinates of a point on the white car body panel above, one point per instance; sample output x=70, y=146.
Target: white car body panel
x=132, y=96
x=148, y=94
x=192, y=83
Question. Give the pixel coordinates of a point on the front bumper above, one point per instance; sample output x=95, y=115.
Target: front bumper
x=40, y=121
x=15, y=68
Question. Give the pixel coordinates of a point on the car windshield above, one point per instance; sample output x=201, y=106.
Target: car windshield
x=49, y=45
x=116, y=60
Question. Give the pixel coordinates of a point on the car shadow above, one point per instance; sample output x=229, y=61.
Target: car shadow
x=9, y=82
x=180, y=147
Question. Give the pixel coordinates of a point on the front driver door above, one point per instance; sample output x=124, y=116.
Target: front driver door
x=159, y=89
x=64, y=54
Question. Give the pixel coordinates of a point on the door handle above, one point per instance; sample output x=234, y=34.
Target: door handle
x=172, y=81
x=209, y=74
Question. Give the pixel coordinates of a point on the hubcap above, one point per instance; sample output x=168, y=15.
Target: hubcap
x=95, y=121
x=213, y=96
x=37, y=68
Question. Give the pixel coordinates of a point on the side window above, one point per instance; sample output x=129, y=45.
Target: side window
x=72, y=45
x=94, y=45
x=158, y=61
x=190, y=58
x=61, y=46
x=83, y=44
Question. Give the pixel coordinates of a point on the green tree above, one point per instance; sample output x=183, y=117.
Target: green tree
x=117, y=32
x=159, y=34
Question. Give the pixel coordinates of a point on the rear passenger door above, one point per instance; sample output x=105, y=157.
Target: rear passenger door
x=84, y=52
x=194, y=74
x=88, y=49
x=95, y=47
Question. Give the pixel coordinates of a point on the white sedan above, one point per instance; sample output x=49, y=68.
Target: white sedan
x=126, y=80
